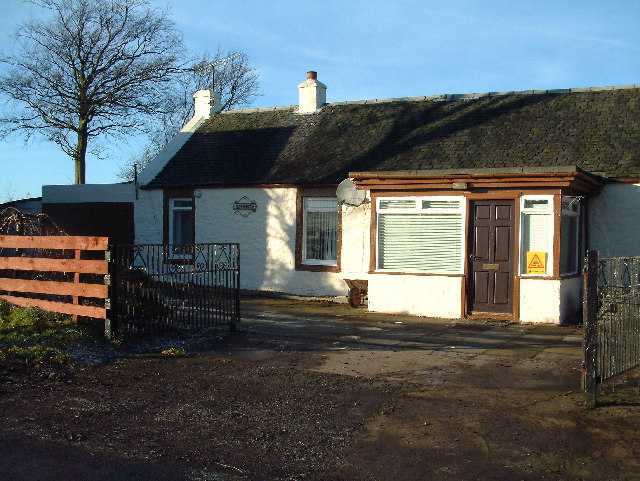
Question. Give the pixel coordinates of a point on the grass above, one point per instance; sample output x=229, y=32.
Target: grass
x=32, y=336
x=173, y=351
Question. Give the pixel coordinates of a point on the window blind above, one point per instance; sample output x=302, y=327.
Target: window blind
x=420, y=242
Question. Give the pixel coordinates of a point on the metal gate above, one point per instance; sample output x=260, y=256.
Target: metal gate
x=611, y=319
x=158, y=287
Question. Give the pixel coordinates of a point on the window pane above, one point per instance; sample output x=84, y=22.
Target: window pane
x=321, y=235
x=397, y=204
x=539, y=204
x=182, y=227
x=188, y=203
x=440, y=204
x=321, y=204
x=420, y=242
x=569, y=245
x=535, y=236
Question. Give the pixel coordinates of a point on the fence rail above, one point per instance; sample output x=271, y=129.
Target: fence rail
x=45, y=271
x=137, y=289
x=167, y=286
x=611, y=318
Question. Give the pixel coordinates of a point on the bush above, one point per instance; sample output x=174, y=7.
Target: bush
x=5, y=309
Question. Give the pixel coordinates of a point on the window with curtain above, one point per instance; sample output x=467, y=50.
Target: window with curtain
x=421, y=234
x=320, y=231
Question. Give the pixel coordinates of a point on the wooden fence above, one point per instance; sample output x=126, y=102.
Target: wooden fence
x=48, y=255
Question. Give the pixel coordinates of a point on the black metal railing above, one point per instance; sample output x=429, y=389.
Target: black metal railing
x=612, y=319
x=158, y=287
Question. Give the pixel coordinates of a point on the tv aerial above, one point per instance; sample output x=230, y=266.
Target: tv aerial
x=219, y=64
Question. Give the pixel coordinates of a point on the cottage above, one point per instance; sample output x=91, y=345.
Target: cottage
x=477, y=205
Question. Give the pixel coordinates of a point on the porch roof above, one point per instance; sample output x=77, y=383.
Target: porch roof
x=571, y=177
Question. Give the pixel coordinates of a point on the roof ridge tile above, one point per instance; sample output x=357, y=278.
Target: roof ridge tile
x=441, y=97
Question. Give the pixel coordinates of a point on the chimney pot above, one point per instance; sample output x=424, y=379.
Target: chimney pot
x=203, y=104
x=312, y=94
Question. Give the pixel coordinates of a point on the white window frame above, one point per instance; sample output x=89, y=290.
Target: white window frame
x=173, y=208
x=461, y=209
x=549, y=213
x=305, y=202
x=571, y=208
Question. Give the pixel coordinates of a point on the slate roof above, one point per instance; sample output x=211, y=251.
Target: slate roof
x=595, y=129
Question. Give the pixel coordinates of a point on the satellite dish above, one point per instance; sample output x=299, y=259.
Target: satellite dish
x=348, y=194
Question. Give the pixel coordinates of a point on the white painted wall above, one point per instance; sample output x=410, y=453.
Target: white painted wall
x=614, y=227
x=550, y=301
x=266, y=237
x=147, y=213
x=433, y=296
x=356, y=222
x=540, y=300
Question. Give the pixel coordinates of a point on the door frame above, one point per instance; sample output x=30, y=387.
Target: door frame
x=514, y=315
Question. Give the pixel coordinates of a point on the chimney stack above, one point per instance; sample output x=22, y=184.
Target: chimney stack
x=312, y=94
x=202, y=103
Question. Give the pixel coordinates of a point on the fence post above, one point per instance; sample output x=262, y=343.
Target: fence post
x=590, y=317
x=111, y=322
x=236, y=300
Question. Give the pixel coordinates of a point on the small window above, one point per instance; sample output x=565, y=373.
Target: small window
x=536, y=234
x=320, y=232
x=536, y=204
x=181, y=225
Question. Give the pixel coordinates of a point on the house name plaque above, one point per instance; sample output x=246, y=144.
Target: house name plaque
x=245, y=206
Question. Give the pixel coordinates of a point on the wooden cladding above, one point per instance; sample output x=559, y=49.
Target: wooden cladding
x=41, y=254
x=577, y=180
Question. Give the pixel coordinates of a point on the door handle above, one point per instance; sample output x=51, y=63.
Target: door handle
x=474, y=257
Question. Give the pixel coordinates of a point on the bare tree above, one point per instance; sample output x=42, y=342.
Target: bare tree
x=93, y=67
x=228, y=74
x=8, y=194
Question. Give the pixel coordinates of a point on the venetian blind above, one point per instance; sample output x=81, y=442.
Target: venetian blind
x=421, y=240
x=536, y=228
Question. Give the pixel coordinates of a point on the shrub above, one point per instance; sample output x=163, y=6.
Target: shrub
x=5, y=309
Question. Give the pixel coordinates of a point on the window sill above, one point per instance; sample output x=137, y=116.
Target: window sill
x=317, y=268
x=538, y=276
x=409, y=273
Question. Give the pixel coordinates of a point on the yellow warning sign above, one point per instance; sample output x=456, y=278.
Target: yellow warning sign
x=536, y=262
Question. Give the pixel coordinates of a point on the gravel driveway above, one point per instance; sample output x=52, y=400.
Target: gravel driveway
x=319, y=391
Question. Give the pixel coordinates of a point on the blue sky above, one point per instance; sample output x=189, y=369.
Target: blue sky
x=374, y=49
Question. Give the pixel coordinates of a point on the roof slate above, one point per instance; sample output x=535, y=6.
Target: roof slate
x=598, y=131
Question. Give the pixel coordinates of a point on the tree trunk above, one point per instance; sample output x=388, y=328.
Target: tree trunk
x=79, y=157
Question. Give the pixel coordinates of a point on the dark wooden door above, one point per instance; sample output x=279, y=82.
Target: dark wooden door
x=491, y=258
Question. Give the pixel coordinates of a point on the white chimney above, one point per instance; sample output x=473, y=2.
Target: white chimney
x=313, y=94
x=203, y=108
